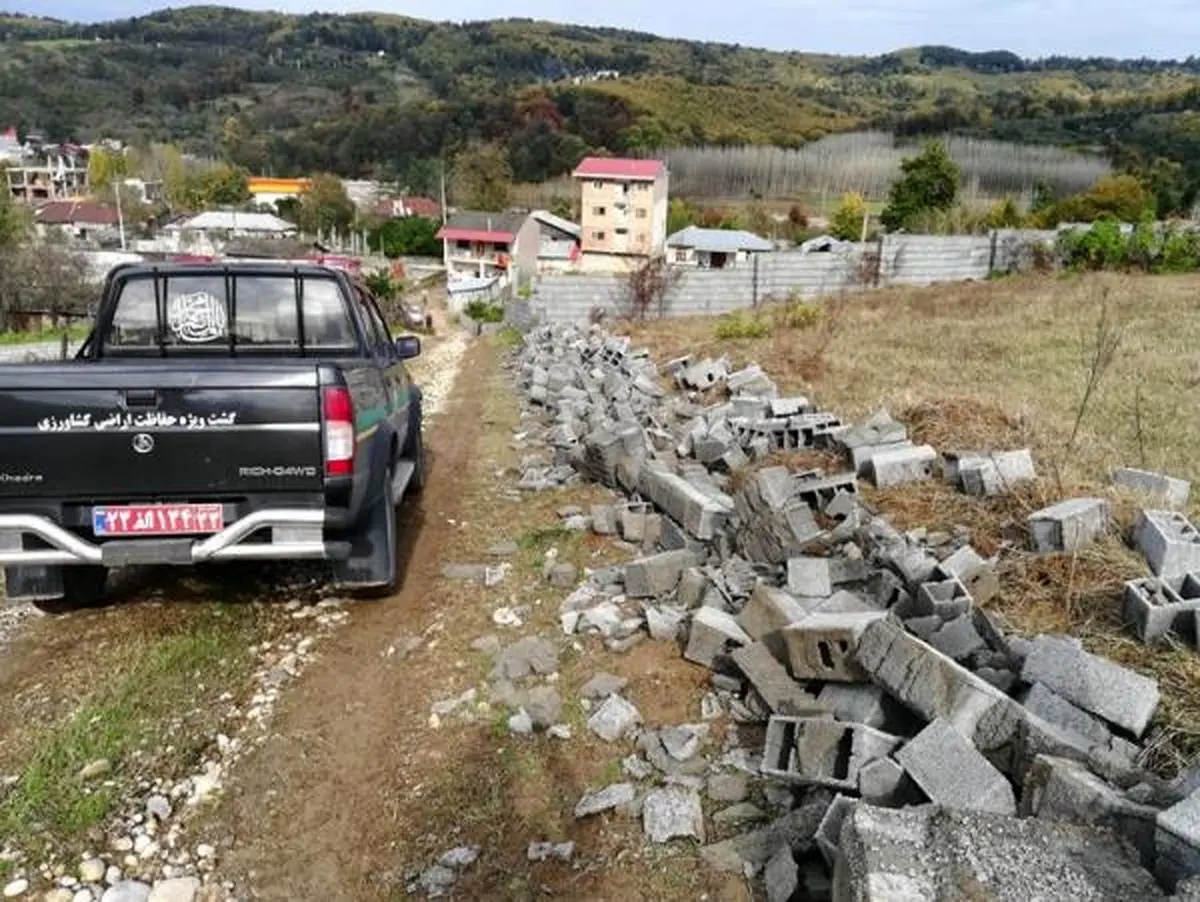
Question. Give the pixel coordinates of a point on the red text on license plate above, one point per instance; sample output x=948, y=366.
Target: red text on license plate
x=157, y=519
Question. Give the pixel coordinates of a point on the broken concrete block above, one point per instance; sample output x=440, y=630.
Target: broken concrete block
x=902, y=465
x=821, y=751
x=884, y=782
x=957, y=638
x=1169, y=541
x=711, y=634
x=1069, y=525
x=1158, y=607
x=862, y=455
x=604, y=519
x=901, y=856
x=658, y=575
x=614, y=719
x=946, y=599
x=782, y=694
x=795, y=830
x=1059, y=789
x=809, y=576
x=830, y=831
x=854, y=703
x=952, y=772
x=605, y=799
x=1061, y=714
x=995, y=473
x=1157, y=488
x=1104, y=688
x=664, y=623
x=692, y=586
x=702, y=514
x=930, y=684
x=766, y=613
x=1177, y=841
x=781, y=876
x=821, y=646
x=977, y=574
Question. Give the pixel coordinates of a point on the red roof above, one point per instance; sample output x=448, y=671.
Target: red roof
x=618, y=168
x=452, y=234
x=423, y=206
x=70, y=212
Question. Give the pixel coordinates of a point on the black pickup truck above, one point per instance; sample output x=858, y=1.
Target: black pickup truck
x=217, y=412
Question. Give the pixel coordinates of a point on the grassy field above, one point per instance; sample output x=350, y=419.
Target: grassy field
x=1007, y=364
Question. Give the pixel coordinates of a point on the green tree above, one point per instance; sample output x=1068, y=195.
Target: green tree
x=326, y=206
x=846, y=223
x=482, y=178
x=14, y=220
x=225, y=186
x=105, y=168
x=410, y=236
x=928, y=181
x=680, y=215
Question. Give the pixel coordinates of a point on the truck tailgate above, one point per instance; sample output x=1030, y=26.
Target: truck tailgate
x=159, y=429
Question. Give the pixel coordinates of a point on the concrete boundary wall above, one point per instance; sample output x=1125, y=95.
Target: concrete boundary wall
x=893, y=260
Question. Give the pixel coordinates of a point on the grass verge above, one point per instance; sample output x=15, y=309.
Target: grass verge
x=136, y=721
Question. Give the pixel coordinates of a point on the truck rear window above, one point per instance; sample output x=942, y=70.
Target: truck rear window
x=196, y=311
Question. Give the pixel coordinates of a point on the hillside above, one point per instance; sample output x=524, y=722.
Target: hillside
x=383, y=95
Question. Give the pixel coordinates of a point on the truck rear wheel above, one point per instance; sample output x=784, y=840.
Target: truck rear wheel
x=83, y=587
x=373, y=569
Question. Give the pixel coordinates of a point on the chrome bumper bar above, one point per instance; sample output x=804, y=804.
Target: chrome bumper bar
x=296, y=534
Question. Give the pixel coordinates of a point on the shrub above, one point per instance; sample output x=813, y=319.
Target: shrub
x=742, y=324
x=797, y=314
x=484, y=312
x=846, y=223
x=928, y=181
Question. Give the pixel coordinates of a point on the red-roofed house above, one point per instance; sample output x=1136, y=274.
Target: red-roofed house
x=623, y=211
x=403, y=207
x=489, y=244
x=76, y=218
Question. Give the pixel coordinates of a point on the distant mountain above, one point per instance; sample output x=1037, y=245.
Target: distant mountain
x=386, y=95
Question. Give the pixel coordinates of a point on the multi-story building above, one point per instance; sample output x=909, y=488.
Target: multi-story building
x=484, y=245
x=48, y=172
x=623, y=211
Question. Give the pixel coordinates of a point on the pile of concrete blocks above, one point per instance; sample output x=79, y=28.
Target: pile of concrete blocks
x=892, y=710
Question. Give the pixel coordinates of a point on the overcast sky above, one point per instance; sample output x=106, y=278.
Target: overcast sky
x=1120, y=28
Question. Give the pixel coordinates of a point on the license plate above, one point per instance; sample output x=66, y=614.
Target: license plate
x=157, y=519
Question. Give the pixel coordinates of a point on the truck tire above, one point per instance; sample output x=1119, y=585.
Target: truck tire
x=416, y=453
x=83, y=587
x=373, y=570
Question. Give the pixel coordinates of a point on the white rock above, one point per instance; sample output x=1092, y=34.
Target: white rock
x=204, y=850
x=16, y=888
x=113, y=875
x=83, y=895
x=92, y=870
x=179, y=889
x=58, y=895
x=142, y=843
x=127, y=891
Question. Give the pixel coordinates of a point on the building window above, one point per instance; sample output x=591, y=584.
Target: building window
x=622, y=231
x=599, y=236
x=599, y=211
x=599, y=186
x=643, y=186
x=642, y=213
x=462, y=245
x=681, y=255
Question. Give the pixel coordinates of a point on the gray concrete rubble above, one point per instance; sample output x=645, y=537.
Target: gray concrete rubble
x=847, y=659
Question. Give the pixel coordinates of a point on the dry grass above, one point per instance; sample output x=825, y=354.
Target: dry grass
x=1000, y=365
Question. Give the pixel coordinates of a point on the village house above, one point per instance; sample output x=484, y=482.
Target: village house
x=268, y=192
x=45, y=172
x=78, y=220
x=715, y=248
x=623, y=211
x=486, y=245
x=402, y=207
x=208, y=233
x=558, y=242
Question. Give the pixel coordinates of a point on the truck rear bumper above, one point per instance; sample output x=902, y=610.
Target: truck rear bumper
x=286, y=534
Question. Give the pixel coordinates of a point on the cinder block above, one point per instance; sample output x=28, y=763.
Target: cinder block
x=821, y=752
x=604, y=519
x=957, y=638
x=975, y=572
x=1095, y=684
x=946, y=599
x=952, y=772
x=822, y=646
x=830, y=830
x=1157, y=607
x=1158, y=488
x=1177, y=841
x=854, y=703
x=810, y=577
x=862, y=455
x=903, y=465
x=932, y=685
x=657, y=575
x=1169, y=541
x=1069, y=525
x=766, y=613
x=712, y=634
x=692, y=586
x=782, y=694
x=995, y=473
x=1064, y=716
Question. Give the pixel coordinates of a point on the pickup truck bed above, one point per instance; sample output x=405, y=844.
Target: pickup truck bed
x=149, y=453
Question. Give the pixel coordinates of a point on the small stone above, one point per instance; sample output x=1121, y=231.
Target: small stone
x=672, y=812
x=602, y=685
x=177, y=889
x=95, y=769
x=158, y=807
x=520, y=723
x=728, y=787
x=92, y=870
x=59, y=895
x=542, y=851
x=605, y=799
x=16, y=888
x=205, y=851
x=459, y=857
x=127, y=891
x=614, y=719
x=83, y=895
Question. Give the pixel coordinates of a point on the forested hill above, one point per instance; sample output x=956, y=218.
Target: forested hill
x=382, y=95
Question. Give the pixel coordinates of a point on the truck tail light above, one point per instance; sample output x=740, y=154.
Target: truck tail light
x=337, y=418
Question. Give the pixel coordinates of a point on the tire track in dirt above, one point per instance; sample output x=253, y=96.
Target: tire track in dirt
x=304, y=812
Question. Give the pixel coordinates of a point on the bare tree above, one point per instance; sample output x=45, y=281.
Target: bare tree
x=646, y=286
x=43, y=280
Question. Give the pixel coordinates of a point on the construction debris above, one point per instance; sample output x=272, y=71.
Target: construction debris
x=909, y=741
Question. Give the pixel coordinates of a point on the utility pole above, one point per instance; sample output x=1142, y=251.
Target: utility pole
x=442, y=162
x=120, y=216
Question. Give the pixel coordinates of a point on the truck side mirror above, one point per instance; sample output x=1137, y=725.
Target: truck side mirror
x=408, y=347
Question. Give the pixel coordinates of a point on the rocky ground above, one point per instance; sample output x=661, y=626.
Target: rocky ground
x=651, y=643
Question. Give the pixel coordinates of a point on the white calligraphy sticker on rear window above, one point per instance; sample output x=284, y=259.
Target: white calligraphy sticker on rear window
x=197, y=317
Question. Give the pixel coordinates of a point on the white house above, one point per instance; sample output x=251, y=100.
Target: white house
x=558, y=242
x=714, y=248
x=206, y=233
